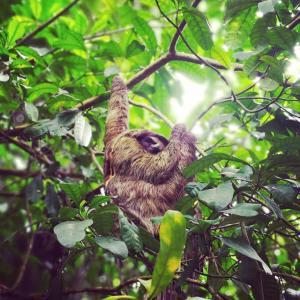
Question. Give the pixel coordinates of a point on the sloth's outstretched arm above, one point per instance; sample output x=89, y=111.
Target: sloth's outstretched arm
x=117, y=116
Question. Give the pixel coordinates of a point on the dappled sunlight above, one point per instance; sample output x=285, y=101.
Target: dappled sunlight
x=293, y=68
x=193, y=93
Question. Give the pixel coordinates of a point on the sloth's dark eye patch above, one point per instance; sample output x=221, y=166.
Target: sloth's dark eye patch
x=149, y=140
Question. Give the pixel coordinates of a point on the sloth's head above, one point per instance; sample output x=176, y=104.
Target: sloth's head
x=152, y=142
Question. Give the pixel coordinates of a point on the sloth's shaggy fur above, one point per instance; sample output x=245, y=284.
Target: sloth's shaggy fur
x=144, y=184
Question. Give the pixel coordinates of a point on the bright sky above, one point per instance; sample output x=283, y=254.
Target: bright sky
x=193, y=93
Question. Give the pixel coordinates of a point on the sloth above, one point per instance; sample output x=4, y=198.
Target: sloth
x=142, y=169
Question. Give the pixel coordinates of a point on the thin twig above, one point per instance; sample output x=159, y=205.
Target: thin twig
x=172, y=48
x=98, y=166
x=194, y=53
x=154, y=111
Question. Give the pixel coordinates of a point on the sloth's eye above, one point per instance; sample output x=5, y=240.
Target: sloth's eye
x=149, y=140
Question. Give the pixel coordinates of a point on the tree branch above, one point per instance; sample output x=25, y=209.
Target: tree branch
x=29, y=36
x=172, y=48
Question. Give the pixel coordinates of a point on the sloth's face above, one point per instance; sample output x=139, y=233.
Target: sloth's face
x=152, y=143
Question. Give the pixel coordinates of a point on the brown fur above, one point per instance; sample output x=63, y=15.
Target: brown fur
x=143, y=183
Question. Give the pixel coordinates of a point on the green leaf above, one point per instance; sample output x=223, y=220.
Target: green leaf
x=130, y=234
x=267, y=84
x=192, y=188
x=34, y=190
x=31, y=111
x=69, y=40
x=82, y=131
x=197, y=23
x=172, y=240
x=207, y=161
x=282, y=193
x=29, y=53
x=145, y=31
x=42, y=89
x=67, y=117
x=99, y=199
x=242, y=174
x=104, y=218
x=70, y=232
x=203, y=225
x=113, y=245
x=235, y=7
x=21, y=64
x=244, y=210
x=258, y=35
x=273, y=206
x=217, y=198
x=73, y=191
x=36, y=8
x=281, y=37
x=245, y=249
x=134, y=48
x=15, y=30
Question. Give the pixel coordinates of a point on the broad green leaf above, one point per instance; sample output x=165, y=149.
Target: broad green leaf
x=267, y=84
x=36, y=8
x=203, y=225
x=245, y=249
x=192, y=188
x=217, y=198
x=266, y=6
x=242, y=174
x=82, y=131
x=146, y=32
x=130, y=234
x=235, y=7
x=104, y=218
x=197, y=23
x=73, y=191
x=113, y=245
x=281, y=37
x=67, y=117
x=42, y=89
x=99, y=199
x=222, y=57
x=70, y=232
x=38, y=129
x=283, y=193
x=15, y=30
x=21, y=64
x=148, y=240
x=206, y=162
x=28, y=53
x=31, y=111
x=172, y=240
x=258, y=34
x=244, y=210
x=68, y=212
x=273, y=206
x=134, y=48
x=69, y=40
x=58, y=126
x=34, y=190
